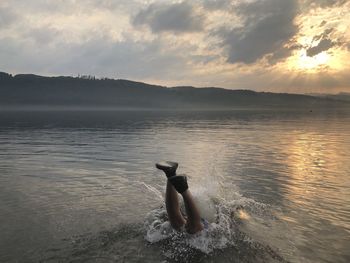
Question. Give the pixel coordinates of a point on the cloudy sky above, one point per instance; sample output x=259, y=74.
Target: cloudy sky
x=297, y=46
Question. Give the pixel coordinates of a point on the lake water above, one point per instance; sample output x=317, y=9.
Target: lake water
x=82, y=186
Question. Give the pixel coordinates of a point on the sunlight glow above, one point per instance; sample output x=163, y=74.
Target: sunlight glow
x=329, y=61
x=311, y=158
x=306, y=62
x=301, y=61
x=243, y=215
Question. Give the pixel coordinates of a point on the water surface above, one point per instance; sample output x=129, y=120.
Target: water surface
x=79, y=186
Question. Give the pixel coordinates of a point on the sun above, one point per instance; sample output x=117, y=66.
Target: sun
x=300, y=61
x=326, y=60
x=312, y=63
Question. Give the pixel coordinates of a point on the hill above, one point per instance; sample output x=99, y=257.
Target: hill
x=27, y=90
x=342, y=96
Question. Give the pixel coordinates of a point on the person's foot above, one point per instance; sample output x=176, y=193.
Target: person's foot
x=179, y=182
x=169, y=168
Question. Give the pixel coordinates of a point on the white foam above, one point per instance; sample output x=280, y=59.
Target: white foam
x=232, y=219
x=235, y=221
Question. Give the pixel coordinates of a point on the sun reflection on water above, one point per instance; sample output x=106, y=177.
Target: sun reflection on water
x=312, y=160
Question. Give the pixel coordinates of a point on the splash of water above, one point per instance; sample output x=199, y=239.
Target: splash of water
x=235, y=222
x=240, y=230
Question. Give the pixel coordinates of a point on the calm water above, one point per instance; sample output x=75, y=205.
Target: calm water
x=81, y=186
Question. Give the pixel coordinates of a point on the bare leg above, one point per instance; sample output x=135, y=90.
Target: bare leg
x=173, y=207
x=193, y=224
x=179, y=184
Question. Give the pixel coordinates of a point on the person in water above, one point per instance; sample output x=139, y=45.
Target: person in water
x=178, y=184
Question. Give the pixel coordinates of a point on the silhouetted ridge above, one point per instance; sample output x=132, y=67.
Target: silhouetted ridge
x=87, y=91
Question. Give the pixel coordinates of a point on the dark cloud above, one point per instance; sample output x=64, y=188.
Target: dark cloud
x=268, y=27
x=324, y=35
x=282, y=53
x=179, y=17
x=323, y=45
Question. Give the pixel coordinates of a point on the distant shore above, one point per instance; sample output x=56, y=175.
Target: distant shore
x=27, y=91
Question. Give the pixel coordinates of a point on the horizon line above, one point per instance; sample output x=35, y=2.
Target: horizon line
x=94, y=78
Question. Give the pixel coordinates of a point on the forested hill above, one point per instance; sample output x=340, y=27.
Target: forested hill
x=31, y=90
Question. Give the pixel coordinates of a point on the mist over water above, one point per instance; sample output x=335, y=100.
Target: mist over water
x=82, y=186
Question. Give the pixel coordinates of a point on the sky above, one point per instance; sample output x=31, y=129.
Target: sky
x=294, y=46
